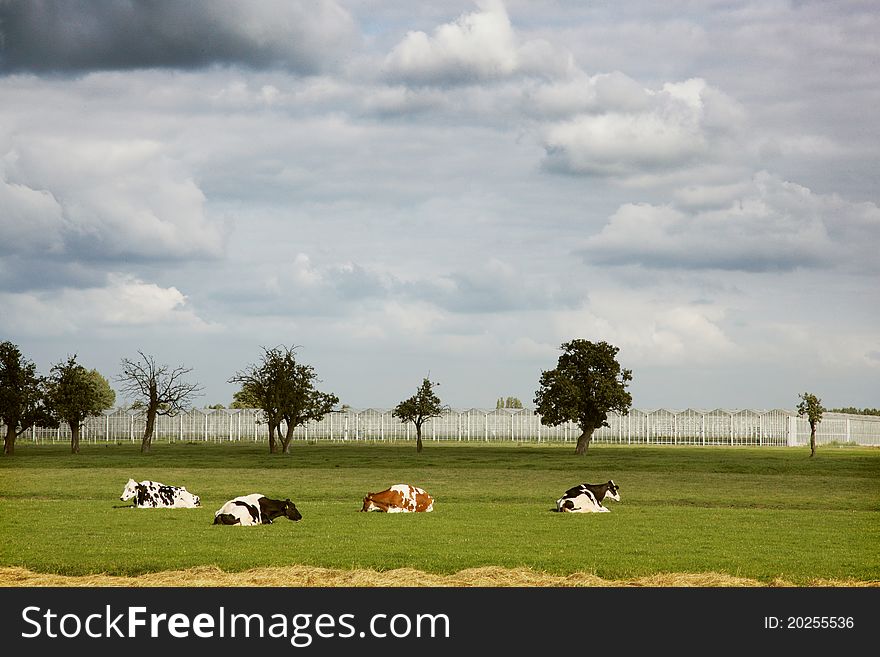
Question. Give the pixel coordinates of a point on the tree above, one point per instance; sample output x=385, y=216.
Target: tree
x=285, y=391
x=420, y=408
x=160, y=390
x=852, y=410
x=76, y=393
x=509, y=402
x=243, y=399
x=586, y=384
x=811, y=408
x=22, y=396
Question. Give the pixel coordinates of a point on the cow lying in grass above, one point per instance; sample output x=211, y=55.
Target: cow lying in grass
x=152, y=495
x=400, y=498
x=587, y=498
x=255, y=509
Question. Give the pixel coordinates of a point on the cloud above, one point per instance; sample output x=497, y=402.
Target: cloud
x=479, y=46
x=93, y=200
x=650, y=331
x=771, y=225
x=123, y=302
x=624, y=133
x=85, y=35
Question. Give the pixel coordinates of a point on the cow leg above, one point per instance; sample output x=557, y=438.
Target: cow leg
x=226, y=519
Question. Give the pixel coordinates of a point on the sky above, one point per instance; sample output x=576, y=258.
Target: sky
x=449, y=189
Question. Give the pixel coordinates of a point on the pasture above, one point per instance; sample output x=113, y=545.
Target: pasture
x=760, y=513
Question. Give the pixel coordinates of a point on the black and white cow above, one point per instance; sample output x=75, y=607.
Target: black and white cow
x=151, y=495
x=587, y=498
x=255, y=509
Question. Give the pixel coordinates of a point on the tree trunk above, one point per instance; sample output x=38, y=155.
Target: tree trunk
x=272, y=447
x=583, y=443
x=74, y=437
x=419, y=438
x=812, y=440
x=147, y=442
x=9, y=441
x=285, y=442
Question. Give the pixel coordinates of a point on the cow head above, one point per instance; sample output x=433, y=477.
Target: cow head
x=129, y=491
x=290, y=511
x=368, y=502
x=613, y=491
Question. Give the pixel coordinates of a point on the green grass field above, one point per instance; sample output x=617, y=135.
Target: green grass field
x=759, y=513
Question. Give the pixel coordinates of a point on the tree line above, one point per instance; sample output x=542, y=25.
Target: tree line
x=587, y=383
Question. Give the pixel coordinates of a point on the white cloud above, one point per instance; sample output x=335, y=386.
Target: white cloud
x=771, y=225
x=123, y=302
x=30, y=217
x=680, y=124
x=476, y=47
x=650, y=331
x=103, y=199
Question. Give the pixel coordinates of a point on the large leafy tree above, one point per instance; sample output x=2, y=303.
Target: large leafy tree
x=22, y=396
x=420, y=408
x=159, y=389
x=811, y=407
x=586, y=384
x=285, y=391
x=76, y=393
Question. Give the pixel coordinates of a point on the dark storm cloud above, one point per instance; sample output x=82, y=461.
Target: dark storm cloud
x=84, y=35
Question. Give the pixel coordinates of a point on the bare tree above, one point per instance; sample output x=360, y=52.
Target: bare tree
x=159, y=389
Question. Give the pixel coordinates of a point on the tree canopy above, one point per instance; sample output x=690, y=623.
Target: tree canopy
x=586, y=384
x=76, y=393
x=285, y=391
x=23, y=402
x=811, y=407
x=420, y=408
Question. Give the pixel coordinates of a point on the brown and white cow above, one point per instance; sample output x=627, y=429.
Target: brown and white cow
x=400, y=498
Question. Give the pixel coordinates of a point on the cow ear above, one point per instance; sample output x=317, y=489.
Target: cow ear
x=287, y=500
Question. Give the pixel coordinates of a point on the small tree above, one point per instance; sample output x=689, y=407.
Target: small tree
x=76, y=393
x=285, y=391
x=586, y=384
x=22, y=396
x=160, y=390
x=811, y=408
x=420, y=408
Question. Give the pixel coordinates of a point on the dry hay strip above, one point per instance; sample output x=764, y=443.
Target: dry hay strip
x=303, y=576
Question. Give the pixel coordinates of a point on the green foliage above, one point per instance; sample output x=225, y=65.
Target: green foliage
x=215, y=407
x=75, y=393
x=245, y=398
x=419, y=408
x=852, y=410
x=509, y=402
x=285, y=391
x=811, y=407
x=586, y=384
x=485, y=495
x=23, y=401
